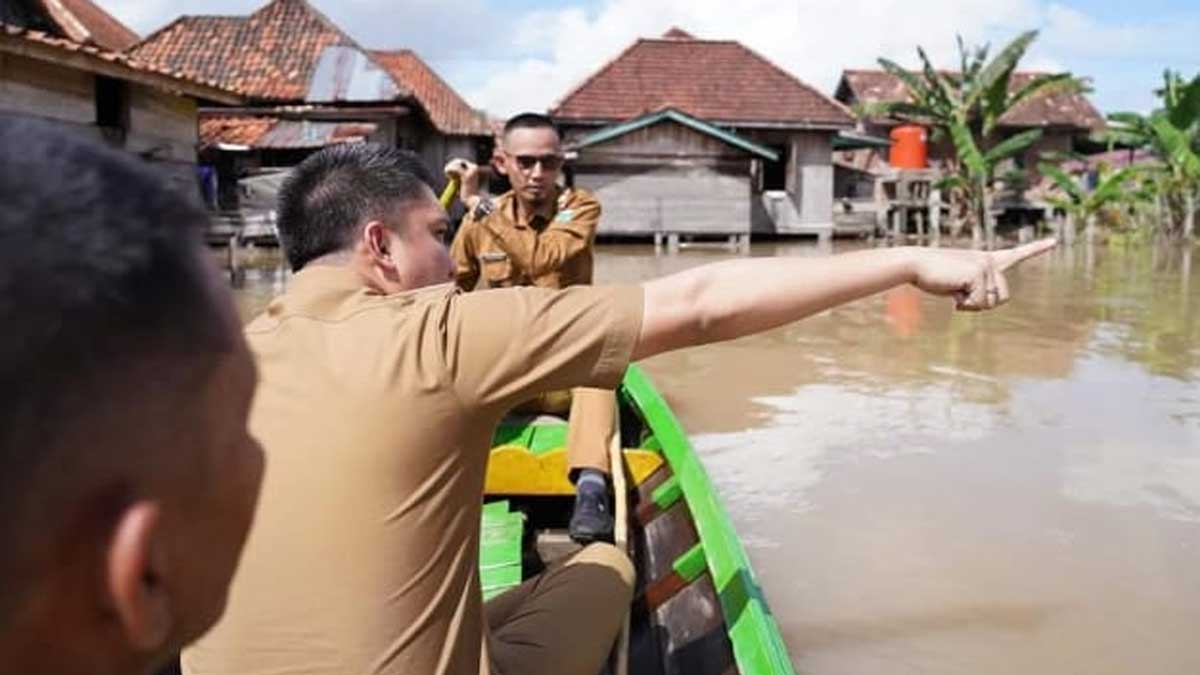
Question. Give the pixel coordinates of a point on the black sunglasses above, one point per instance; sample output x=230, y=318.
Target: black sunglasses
x=548, y=162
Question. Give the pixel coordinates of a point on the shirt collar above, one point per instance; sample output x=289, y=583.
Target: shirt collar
x=539, y=219
x=327, y=290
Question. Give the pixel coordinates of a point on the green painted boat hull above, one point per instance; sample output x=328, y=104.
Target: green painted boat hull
x=698, y=607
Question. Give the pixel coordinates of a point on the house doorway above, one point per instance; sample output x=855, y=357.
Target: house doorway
x=775, y=173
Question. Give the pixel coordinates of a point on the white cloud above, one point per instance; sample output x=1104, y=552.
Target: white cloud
x=814, y=39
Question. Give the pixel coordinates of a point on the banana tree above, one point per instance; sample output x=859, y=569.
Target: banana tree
x=967, y=106
x=1113, y=189
x=1173, y=134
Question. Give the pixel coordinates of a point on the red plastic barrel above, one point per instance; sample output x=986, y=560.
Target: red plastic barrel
x=910, y=147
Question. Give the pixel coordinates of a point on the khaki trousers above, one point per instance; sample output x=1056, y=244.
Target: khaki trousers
x=563, y=621
x=592, y=423
x=593, y=415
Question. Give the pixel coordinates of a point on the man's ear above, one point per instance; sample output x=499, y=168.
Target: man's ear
x=498, y=164
x=136, y=577
x=375, y=238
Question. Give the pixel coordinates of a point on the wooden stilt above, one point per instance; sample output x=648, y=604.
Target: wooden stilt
x=620, y=532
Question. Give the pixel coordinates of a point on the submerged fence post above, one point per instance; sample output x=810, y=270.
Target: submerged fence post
x=935, y=214
x=233, y=261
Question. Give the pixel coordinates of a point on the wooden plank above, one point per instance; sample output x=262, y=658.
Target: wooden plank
x=667, y=537
x=691, y=199
x=162, y=124
x=696, y=640
x=33, y=87
x=665, y=139
x=82, y=60
x=620, y=530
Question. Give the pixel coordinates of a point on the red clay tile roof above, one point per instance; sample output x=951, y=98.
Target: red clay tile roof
x=84, y=21
x=447, y=110
x=90, y=58
x=234, y=130
x=1069, y=110
x=270, y=54
x=715, y=80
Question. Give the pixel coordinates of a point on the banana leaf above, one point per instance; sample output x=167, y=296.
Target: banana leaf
x=1046, y=85
x=917, y=89
x=968, y=152
x=1064, y=182
x=992, y=84
x=1177, y=147
x=1185, y=111
x=1111, y=187
x=1012, y=145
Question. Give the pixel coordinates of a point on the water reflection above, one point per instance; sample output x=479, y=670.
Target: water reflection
x=931, y=492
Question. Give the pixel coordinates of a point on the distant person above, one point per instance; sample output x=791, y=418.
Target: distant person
x=382, y=386
x=542, y=234
x=127, y=476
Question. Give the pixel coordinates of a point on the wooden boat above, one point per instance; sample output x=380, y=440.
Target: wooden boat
x=697, y=607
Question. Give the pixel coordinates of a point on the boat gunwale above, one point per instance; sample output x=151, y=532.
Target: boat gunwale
x=758, y=646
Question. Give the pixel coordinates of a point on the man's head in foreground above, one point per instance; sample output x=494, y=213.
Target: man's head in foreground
x=128, y=479
x=369, y=207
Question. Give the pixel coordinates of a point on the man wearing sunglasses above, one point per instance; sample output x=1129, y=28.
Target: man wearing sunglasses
x=541, y=234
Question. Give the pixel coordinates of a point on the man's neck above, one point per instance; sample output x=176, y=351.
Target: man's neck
x=353, y=264
x=526, y=211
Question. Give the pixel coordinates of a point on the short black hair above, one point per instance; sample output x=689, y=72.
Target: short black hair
x=333, y=193
x=531, y=120
x=103, y=275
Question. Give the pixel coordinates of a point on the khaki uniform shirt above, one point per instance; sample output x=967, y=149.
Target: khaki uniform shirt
x=376, y=413
x=550, y=250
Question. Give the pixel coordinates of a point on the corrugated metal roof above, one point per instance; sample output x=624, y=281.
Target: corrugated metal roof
x=269, y=133
x=303, y=134
x=345, y=74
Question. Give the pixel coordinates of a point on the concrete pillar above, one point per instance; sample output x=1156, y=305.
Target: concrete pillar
x=811, y=181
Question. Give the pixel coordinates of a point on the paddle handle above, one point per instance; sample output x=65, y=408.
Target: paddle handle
x=450, y=192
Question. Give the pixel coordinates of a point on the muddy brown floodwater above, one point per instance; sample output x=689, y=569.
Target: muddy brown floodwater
x=929, y=492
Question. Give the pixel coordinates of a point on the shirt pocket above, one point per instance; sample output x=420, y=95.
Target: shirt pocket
x=496, y=268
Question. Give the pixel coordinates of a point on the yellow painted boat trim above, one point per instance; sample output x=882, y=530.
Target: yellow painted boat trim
x=514, y=470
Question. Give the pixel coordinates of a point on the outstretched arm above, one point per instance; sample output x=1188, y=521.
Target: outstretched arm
x=732, y=299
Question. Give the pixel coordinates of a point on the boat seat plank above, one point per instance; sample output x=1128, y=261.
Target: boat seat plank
x=516, y=470
x=500, y=535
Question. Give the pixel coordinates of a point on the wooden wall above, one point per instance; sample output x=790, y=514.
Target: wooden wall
x=161, y=126
x=684, y=198
x=46, y=90
x=668, y=178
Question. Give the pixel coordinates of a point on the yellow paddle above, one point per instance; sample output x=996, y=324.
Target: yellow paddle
x=450, y=192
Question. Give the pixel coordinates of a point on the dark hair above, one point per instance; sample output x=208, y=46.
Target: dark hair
x=530, y=120
x=330, y=195
x=102, y=277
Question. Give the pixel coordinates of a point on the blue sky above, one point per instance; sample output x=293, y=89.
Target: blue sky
x=512, y=55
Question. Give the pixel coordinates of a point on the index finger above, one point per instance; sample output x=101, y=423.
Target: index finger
x=1010, y=257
